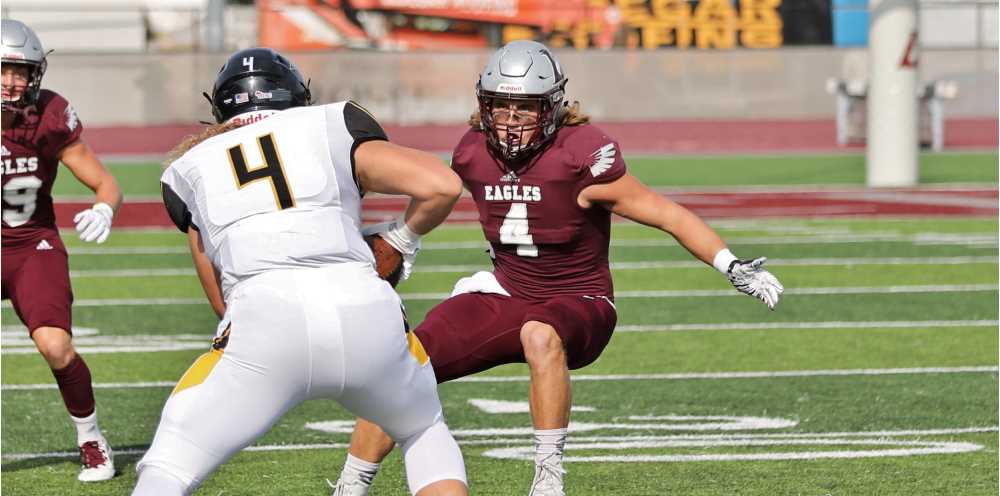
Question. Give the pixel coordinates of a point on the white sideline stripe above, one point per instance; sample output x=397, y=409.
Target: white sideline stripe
x=596, y=439
x=613, y=377
x=940, y=288
x=832, y=238
x=807, y=325
x=172, y=272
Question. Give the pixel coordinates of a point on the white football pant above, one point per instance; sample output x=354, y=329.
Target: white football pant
x=333, y=332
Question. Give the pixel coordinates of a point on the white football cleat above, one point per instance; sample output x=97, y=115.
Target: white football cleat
x=548, y=480
x=349, y=488
x=97, y=461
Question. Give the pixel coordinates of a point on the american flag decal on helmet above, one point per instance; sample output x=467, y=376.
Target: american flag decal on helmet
x=604, y=158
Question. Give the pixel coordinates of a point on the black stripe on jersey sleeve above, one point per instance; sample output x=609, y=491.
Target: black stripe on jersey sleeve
x=363, y=127
x=176, y=208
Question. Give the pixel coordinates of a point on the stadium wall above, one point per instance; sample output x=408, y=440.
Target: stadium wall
x=436, y=88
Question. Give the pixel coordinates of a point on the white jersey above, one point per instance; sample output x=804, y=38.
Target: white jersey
x=276, y=194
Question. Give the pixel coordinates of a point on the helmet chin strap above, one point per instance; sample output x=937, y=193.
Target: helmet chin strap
x=251, y=117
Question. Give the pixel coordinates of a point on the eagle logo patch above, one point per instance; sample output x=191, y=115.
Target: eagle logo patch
x=71, y=119
x=604, y=158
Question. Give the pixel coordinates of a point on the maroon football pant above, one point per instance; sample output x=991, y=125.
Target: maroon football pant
x=473, y=332
x=36, y=280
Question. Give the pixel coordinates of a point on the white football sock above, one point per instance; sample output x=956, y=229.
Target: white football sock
x=549, y=445
x=360, y=470
x=86, y=428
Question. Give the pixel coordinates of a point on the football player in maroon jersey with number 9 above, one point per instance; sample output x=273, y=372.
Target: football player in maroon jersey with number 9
x=40, y=129
x=545, y=183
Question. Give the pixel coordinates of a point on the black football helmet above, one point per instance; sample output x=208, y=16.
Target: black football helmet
x=257, y=79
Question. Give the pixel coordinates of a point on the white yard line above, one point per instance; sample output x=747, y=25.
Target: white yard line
x=88, y=341
x=132, y=273
x=927, y=238
x=673, y=264
x=748, y=375
x=820, y=438
x=940, y=288
x=704, y=293
x=741, y=326
x=615, y=377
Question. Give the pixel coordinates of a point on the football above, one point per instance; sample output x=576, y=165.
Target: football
x=388, y=261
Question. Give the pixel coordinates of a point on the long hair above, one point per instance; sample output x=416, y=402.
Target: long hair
x=191, y=140
x=573, y=116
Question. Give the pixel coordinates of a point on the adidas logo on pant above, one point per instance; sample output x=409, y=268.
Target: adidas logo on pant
x=43, y=245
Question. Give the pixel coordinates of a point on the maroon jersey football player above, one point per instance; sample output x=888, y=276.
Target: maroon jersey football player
x=545, y=183
x=40, y=129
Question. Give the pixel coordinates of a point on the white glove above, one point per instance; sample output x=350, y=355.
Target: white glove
x=400, y=237
x=750, y=278
x=94, y=224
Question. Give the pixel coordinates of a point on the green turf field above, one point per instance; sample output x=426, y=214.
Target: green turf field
x=877, y=374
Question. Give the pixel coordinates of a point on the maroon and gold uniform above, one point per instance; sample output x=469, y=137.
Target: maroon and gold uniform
x=550, y=255
x=35, y=268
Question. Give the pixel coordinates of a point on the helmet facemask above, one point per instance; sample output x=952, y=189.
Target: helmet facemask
x=513, y=148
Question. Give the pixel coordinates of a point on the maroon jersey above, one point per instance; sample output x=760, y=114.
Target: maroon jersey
x=544, y=244
x=31, y=150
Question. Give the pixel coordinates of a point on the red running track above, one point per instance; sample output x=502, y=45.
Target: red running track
x=635, y=137
x=979, y=202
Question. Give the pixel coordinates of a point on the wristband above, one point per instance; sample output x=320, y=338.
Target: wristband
x=723, y=260
x=402, y=237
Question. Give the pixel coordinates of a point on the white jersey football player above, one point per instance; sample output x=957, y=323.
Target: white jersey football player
x=271, y=201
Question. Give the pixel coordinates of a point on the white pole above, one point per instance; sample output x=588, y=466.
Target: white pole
x=893, y=54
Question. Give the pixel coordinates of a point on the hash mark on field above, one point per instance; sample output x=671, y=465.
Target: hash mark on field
x=615, y=377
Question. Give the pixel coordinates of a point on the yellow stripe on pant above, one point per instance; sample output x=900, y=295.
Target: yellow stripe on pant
x=199, y=370
x=417, y=349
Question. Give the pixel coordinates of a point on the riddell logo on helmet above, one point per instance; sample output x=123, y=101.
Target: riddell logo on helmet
x=251, y=117
x=510, y=88
x=14, y=55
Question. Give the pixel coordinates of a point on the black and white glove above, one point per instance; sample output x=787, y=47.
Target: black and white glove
x=402, y=238
x=94, y=224
x=749, y=277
